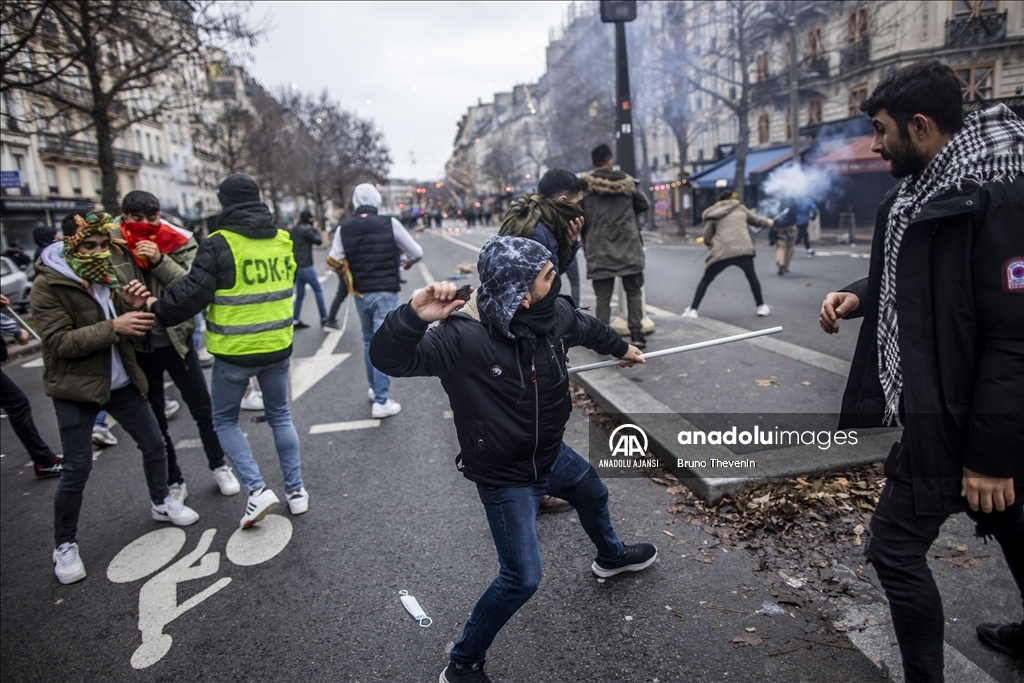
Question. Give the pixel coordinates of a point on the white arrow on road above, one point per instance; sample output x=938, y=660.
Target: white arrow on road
x=306, y=372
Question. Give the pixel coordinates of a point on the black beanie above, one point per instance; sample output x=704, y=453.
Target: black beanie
x=236, y=189
x=306, y=216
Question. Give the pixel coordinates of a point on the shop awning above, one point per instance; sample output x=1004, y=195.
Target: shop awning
x=854, y=157
x=760, y=161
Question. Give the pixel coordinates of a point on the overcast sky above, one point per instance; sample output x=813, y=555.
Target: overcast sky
x=413, y=67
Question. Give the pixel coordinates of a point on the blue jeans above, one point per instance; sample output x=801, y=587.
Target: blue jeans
x=307, y=276
x=229, y=383
x=372, y=308
x=512, y=516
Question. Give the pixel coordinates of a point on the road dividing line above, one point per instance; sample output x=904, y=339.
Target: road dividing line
x=428, y=278
x=343, y=426
x=472, y=247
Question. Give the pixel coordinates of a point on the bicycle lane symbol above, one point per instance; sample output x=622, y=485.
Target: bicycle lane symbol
x=158, y=597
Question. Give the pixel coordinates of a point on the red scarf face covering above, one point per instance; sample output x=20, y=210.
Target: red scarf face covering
x=167, y=239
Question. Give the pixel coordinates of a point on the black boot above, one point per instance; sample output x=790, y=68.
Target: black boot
x=1007, y=638
x=639, y=340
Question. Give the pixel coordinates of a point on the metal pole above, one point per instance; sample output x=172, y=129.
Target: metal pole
x=17, y=319
x=681, y=349
x=794, y=92
x=624, y=108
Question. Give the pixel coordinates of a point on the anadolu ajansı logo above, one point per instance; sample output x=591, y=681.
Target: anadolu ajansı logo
x=628, y=441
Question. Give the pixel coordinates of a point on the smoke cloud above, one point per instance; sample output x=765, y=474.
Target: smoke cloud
x=789, y=183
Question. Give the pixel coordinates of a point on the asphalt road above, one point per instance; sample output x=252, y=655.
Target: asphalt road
x=316, y=597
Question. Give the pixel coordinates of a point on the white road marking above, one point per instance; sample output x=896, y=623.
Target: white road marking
x=145, y=555
x=34, y=363
x=343, y=426
x=323, y=278
x=428, y=278
x=188, y=443
x=306, y=372
x=259, y=543
x=472, y=247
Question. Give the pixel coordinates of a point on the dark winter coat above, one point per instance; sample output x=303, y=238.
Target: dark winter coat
x=213, y=269
x=611, y=233
x=304, y=236
x=510, y=397
x=961, y=340
x=370, y=249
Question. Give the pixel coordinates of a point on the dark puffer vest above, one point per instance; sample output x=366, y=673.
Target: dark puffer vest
x=371, y=252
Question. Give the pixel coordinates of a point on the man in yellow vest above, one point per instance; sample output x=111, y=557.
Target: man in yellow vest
x=245, y=273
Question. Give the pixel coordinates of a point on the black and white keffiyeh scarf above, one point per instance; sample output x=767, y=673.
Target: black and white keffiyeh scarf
x=988, y=149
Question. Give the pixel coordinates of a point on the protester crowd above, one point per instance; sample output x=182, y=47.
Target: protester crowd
x=117, y=302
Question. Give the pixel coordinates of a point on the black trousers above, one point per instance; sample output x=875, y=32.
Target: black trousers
x=746, y=263
x=19, y=411
x=803, y=235
x=187, y=375
x=75, y=419
x=900, y=540
x=339, y=297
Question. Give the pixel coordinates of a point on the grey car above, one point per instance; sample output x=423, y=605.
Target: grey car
x=14, y=284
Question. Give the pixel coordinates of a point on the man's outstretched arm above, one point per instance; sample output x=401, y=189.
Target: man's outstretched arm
x=402, y=347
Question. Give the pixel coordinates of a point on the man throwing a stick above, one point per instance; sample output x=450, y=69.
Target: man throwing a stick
x=502, y=361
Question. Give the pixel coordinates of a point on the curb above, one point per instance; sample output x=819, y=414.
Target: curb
x=617, y=395
x=14, y=351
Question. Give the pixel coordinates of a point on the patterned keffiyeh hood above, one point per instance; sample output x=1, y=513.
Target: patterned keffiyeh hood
x=507, y=267
x=91, y=267
x=988, y=149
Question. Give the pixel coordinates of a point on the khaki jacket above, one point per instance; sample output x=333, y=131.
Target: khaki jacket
x=725, y=230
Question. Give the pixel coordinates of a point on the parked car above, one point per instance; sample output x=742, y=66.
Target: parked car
x=14, y=284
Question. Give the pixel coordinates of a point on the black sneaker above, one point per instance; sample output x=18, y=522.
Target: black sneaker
x=330, y=325
x=636, y=558
x=638, y=340
x=51, y=469
x=1007, y=638
x=299, y=325
x=454, y=674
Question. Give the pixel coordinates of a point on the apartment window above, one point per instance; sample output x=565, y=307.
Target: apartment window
x=762, y=66
x=159, y=151
x=789, y=124
x=131, y=183
x=19, y=163
x=854, y=99
x=40, y=115
x=97, y=186
x=814, y=108
x=815, y=45
x=786, y=53
x=764, y=128
x=977, y=81
x=51, y=179
x=857, y=26
x=974, y=8
x=138, y=142
x=76, y=182
x=149, y=146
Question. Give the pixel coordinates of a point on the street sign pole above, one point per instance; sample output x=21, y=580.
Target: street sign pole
x=619, y=12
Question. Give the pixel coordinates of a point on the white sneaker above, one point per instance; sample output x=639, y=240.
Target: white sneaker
x=67, y=565
x=174, y=512
x=179, y=492
x=764, y=310
x=226, y=480
x=382, y=410
x=253, y=401
x=298, y=501
x=369, y=393
x=101, y=436
x=260, y=503
x=170, y=408
x=690, y=313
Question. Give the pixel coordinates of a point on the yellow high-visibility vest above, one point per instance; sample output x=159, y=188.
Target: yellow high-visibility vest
x=254, y=316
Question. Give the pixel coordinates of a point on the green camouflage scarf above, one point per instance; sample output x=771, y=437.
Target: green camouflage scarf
x=91, y=267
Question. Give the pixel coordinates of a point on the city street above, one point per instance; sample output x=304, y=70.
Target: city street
x=316, y=597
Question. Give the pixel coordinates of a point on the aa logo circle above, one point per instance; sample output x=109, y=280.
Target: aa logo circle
x=628, y=441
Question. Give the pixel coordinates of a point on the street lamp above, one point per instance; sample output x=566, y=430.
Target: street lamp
x=618, y=12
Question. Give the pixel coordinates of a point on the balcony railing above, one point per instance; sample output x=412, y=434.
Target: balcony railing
x=54, y=145
x=816, y=66
x=976, y=30
x=855, y=56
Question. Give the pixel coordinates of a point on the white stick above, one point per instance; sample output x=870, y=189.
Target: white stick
x=17, y=319
x=680, y=349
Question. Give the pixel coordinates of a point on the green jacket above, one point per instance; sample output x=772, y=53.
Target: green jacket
x=77, y=339
x=169, y=270
x=611, y=233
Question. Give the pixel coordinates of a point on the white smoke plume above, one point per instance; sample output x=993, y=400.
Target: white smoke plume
x=790, y=182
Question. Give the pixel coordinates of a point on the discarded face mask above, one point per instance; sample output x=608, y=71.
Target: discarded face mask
x=412, y=606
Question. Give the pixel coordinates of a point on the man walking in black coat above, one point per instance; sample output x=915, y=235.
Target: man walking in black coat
x=502, y=361
x=941, y=347
x=304, y=236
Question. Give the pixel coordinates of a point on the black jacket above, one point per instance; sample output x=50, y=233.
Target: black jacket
x=510, y=399
x=304, y=236
x=213, y=269
x=961, y=326
x=369, y=243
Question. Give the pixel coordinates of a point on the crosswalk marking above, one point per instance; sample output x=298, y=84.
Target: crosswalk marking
x=343, y=426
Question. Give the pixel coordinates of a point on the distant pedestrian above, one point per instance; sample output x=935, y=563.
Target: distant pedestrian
x=245, y=273
x=611, y=239
x=941, y=346
x=86, y=318
x=729, y=244
x=783, y=237
x=45, y=462
x=304, y=235
x=512, y=334
x=806, y=211
x=18, y=255
x=366, y=246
